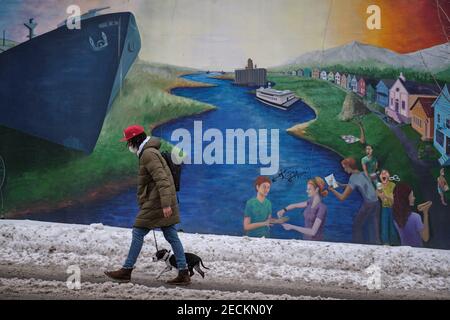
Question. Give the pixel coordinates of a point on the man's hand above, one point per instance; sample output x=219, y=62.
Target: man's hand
x=268, y=222
x=167, y=212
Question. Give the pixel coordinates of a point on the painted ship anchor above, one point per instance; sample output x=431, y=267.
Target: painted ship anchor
x=100, y=44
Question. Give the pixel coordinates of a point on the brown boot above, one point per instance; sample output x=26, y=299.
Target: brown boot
x=183, y=278
x=122, y=275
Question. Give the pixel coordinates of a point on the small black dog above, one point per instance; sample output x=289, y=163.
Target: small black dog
x=193, y=261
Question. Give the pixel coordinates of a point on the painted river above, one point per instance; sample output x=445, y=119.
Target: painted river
x=213, y=197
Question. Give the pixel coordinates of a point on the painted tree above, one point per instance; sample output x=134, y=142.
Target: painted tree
x=354, y=110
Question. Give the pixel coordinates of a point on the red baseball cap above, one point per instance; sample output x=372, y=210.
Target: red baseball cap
x=131, y=132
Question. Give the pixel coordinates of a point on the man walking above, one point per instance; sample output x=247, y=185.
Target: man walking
x=156, y=196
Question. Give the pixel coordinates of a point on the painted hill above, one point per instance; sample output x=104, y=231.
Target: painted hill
x=433, y=59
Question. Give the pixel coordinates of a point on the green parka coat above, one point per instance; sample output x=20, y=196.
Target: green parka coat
x=156, y=189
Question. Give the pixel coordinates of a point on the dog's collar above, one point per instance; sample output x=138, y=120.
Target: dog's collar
x=166, y=256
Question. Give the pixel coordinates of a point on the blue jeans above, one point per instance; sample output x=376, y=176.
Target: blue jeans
x=170, y=234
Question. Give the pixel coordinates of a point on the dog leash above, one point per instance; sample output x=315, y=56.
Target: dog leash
x=156, y=243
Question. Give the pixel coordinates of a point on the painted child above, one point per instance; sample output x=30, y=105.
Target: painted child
x=258, y=210
x=385, y=191
x=442, y=186
x=370, y=164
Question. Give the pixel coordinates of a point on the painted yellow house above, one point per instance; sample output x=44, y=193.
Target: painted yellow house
x=422, y=117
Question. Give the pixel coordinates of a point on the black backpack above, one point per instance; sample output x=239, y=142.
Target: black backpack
x=175, y=169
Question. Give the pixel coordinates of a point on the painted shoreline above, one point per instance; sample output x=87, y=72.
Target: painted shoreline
x=300, y=130
x=169, y=90
x=112, y=187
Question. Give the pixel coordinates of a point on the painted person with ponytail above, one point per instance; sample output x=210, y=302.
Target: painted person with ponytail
x=408, y=223
x=315, y=212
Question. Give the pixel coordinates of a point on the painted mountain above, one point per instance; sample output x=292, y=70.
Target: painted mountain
x=434, y=59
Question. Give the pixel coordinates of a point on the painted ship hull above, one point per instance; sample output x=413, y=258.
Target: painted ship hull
x=60, y=86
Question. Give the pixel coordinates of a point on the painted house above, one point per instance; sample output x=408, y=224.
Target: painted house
x=299, y=73
x=371, y=92
x=442, y=126
x=371, y=85
x=422, y=117
x=361, y=87
x=343, y=83
x=316, y=74
x=354, y=84
x=404, y=94
x=331, y=76
x=337, y=78
x=293, y=73
x=382, y=91
x=307, y=73
x=323, y=75
x=349, y=82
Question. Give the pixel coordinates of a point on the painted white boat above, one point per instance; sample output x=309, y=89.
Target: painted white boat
x=276, y=98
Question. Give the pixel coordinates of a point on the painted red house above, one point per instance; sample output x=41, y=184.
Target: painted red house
x=361, y=87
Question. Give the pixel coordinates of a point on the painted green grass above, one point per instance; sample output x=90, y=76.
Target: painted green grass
x=327, y=129
x=67, y=174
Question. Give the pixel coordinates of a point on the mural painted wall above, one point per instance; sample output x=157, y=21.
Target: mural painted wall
x=317, y=120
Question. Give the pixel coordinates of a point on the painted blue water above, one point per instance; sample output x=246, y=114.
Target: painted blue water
x=213, y=197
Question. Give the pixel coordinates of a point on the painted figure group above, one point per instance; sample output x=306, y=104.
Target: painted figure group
x=386, y=215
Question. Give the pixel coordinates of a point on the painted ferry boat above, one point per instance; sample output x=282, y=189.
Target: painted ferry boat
x=276, y=98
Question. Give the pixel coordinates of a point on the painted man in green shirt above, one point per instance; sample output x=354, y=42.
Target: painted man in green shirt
x=258, y=211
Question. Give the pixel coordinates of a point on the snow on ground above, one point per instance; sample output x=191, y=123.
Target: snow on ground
x=230, y=259
x=110, y=290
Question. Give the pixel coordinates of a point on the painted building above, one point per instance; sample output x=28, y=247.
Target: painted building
x=422, y=117
x=250, y=76
x=382, y=92
x=307, y=73
x=343, y=83
x=361, y=87
x=349, y=82
x=442, y=126
x=354, y=84
x=316, y=74
x=323, y=75
x=371, y=92
x=337, y=78
x=330, y=76
x=404, y=94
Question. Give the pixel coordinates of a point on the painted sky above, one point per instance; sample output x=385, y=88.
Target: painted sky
x=222, y=34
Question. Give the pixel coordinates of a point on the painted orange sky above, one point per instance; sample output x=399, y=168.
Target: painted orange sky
x=408, y=25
